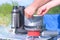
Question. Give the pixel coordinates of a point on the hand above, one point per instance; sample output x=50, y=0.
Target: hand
x=29, y=11
x=45, y=8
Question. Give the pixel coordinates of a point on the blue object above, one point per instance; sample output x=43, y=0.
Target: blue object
x=52, y=21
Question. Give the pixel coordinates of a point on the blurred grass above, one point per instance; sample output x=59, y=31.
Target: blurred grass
x=5, y=13
x=55, y=10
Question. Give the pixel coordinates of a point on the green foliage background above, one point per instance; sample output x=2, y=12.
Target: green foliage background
x=55, y=10
x=5, y=14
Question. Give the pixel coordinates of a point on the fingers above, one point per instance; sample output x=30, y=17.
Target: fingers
x=29, y=11
x=39, y=12
x=42, y=11
x=28, y=14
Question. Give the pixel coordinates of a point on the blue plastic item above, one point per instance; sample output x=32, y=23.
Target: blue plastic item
x=52, y=21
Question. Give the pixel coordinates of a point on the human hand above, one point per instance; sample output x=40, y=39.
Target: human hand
x=29, y=11
x=45, y=8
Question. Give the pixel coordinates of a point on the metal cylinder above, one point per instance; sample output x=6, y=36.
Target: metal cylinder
x=50, y=33
x=15, y=17
x=33, y=23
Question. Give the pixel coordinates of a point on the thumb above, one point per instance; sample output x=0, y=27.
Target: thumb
x=44, y=12
x=41, y=12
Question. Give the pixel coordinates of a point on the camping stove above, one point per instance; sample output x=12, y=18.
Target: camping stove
x=34, y=25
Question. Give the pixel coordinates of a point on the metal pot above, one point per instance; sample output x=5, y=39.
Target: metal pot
x=34, y=23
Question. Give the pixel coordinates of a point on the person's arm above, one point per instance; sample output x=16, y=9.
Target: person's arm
x=31, y=9
x=38, y=3
x=53, y=3
x=45, y=8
